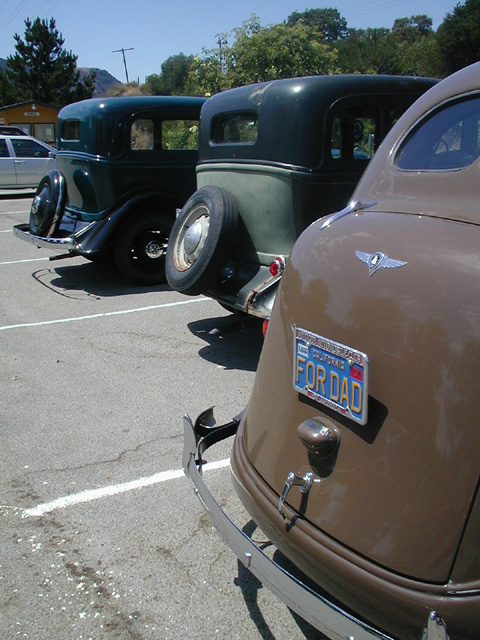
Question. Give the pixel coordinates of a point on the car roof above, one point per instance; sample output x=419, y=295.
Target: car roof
x=103, y=120
x=128, y=105
x=443, y=193
x=300, y=105
x=16, y=136
x=11, y=131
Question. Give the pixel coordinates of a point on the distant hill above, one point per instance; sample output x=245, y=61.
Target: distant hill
x=103, y=83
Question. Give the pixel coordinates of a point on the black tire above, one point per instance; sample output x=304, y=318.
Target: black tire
x=201, y=240
x=48, y=204
x=140, y=248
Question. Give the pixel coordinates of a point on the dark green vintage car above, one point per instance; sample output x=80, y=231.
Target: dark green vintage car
x=274, y=157
x=125, y=165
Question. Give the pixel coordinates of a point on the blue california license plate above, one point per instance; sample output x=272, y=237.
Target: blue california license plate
x=332, y=374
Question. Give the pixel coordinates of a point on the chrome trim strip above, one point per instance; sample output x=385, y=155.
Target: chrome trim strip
x=58, y=244
x=322, y=614
x=354, y=205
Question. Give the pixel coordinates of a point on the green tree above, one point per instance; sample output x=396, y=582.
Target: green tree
x=7, y=93
x=417, y=46
x=278, y=52
x=422, y=58
x=458, y=36
x=206, y=76
x=410, y=30
x=328, y=22
x=258, y=54
x=42, y=70
x=173, y=77
x=369, y=51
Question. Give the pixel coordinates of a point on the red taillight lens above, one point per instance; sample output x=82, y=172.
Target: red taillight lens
x=277, y=266
x=265, y=326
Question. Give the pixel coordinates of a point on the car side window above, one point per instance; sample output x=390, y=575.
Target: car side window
x=3, y=149
x=29, y=149
x=164, y=135
x=353, y=133
x=180, y=135
x=447, y=139
x=142, y=135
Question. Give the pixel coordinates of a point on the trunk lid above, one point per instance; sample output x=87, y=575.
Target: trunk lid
x=399, y=488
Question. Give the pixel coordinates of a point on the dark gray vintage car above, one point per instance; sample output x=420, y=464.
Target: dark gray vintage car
x=125, y=165
x=358, y=454
x=274, y=157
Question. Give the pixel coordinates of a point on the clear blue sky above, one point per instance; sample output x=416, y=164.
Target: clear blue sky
x=158, y=29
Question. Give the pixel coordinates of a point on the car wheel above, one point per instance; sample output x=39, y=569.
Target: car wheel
x=201, y=240
x=140, y=248
x=48, y=203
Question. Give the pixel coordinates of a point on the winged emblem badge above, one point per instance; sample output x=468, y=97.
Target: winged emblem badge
x=378, y=260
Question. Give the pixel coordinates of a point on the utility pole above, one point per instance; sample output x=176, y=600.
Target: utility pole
x=122, y=51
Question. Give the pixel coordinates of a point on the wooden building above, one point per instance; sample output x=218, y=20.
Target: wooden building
x=35, y=118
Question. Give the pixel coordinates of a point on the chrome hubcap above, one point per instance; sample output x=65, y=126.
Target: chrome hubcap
x=192, y=238
x=154, y=250
x=36, y=204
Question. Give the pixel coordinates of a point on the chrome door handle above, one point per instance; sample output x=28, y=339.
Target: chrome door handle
x=304, y=482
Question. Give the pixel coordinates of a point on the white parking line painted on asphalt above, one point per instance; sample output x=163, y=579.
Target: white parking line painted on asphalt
x=11, y=213
x=104, y=315
x=112, y=490
x=18, y=261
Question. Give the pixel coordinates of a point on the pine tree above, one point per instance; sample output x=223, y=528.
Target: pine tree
x=42, y=70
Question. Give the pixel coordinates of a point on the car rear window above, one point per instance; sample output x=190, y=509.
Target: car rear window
x=447, y=139
x=235, y=128
x=71, y=130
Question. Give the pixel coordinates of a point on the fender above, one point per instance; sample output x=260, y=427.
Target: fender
x=98, y=235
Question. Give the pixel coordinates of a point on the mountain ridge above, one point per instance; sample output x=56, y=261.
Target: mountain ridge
x=104, y=80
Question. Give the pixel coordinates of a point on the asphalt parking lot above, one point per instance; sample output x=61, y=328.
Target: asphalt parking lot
x=102, y=536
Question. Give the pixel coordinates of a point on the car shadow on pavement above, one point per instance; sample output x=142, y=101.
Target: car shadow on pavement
x=233, y=342
x=250, y=586
x=10, y=194
x=90, y=280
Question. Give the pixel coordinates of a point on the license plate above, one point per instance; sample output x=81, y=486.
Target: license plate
x=332, y=374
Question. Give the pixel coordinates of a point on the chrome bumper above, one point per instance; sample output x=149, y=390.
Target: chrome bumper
x=22, y=232
x=325, y=616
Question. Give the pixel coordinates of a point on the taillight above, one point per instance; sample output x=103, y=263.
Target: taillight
x=277, y=266
x=265, y=326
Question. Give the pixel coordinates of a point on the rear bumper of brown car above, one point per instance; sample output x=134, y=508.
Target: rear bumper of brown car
x=324, y=615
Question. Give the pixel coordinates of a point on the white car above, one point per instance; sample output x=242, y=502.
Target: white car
x=24, y=161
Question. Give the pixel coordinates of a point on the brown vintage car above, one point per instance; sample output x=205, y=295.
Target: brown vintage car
x=359, y=451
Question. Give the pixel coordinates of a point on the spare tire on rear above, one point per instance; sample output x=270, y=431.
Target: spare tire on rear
x=201, y=240
x=48, y=204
